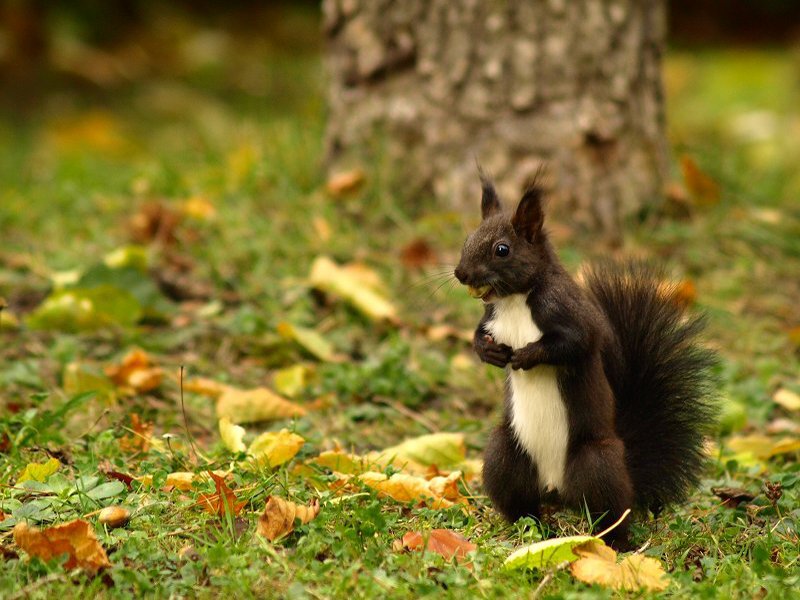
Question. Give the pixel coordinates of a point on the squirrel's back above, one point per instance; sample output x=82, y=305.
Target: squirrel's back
x=663, y=379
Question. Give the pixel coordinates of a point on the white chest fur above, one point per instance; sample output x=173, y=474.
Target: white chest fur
x=538, y=414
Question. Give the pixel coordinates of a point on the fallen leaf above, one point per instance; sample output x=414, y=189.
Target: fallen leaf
x=259, y=404
x=290, y=381
x=358, y=286
x=199, y=208
x=279, y=516
x=445, y=449
x=76, y=539
x=94, y=130
x=223, y=501
x=232, y=435
x=136, y=373
x=155, y=222
x=763, y=446
x=322, y=228
x=114, y=516
x=86, y=309
x=598, y=564
x=703, y=190
x=39, y=471
x=139, y=437
x=180, y=480
x=794, y=335
x=311, y=341
x=787, y=399
x=417, y=253
x=206, y=387
x=445, y=542
x=547, y=553
x=273, y=448
x=777, y=426
x=732, y=497
x=341, y=462
x=344, y=182
x=438, y=492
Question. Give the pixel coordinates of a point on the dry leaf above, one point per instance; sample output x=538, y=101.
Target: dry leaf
x=206, y=387
x=155, y=222
x=274, y=448
x=356, y=284
x=279, y=516
x=198, y=207
x=443, y=450
x=762, y=446
x=439, y=492
x=180, y=480
x=447, y=543
x=787, y=399
x=311, y=341
x=76, y=539
x=417, y=253
x=136, y=373
x=39, y=471
x=291, y=380
x=703, y=189
x=322, y=229
x=223, y=501
x=340, y=461
x=139, y=438
x=250, y=406
x=232, y=435
x=114, y=516
x=732, y=497
x=598, y=564
x=345, y=182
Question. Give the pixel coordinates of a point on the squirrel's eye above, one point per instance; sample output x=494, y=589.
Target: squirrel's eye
x=501, y=250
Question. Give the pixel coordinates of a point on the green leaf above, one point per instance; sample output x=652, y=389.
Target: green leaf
x=106, y=490
x=39, y=471
x=81, y=309
x=548, y=553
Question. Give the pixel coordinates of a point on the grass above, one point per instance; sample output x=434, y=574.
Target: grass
x=76, y=171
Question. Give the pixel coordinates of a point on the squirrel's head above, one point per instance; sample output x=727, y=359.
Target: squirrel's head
x=507, y=253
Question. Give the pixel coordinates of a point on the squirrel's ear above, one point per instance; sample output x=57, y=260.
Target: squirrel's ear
x=490, y=203
x=529, y=218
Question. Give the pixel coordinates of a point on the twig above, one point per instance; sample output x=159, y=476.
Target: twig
x=549, y=577
x=186, y=421
x=413, y=415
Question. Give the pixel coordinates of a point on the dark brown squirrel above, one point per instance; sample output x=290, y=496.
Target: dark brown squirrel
x=610, y=391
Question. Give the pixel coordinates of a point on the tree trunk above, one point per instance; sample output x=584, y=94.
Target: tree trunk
x=433, y=86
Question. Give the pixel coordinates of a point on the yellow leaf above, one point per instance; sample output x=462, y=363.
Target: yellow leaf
x=280, y=515
x=232, y=435
x=275, y=448
x=310, y=340
x=180, y=480
x=198, y=207
x=289, y=381
x=206, y=387
x=39, y=471
x=94, y=130
x=440, y=449
x=439, y=492
x=76, y=539
x=598, y=564
x=340, y=461
x=351, y=285
x=763, y=446
x=345, y=182
x=259, y=404
x=787, y=399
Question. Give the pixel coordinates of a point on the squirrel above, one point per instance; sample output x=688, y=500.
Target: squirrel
x=610, y=391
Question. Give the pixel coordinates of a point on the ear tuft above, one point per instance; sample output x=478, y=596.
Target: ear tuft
x=490, y=201
x=529, y=218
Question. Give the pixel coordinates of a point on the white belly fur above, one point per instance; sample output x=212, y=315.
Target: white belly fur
x=538, y=414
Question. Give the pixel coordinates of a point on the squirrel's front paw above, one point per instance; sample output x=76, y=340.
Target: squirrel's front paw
x=495, y=354
x=525, y=358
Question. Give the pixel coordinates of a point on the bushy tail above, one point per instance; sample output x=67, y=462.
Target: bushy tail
x=663, y=378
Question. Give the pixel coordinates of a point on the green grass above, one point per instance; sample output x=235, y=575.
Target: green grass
x=67, y=200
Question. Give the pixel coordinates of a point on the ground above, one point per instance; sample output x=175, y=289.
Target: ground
x=215, y=168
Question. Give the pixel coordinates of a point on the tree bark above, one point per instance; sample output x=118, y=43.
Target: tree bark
x=432, y=86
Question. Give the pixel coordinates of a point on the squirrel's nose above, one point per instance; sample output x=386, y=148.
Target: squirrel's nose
x=459, y=273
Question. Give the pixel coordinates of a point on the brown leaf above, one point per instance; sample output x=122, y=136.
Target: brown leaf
x=447, y=543
x=155, y=222
x=417, y=253
x=223, y=501
x=135, y=373
x=732, y=497
x=106, y=469
x=138, y=439
x=598, y=564
x=344, y=182
x=76, y=539
x=260, y=404
x=703, y=190
x=279, y=516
